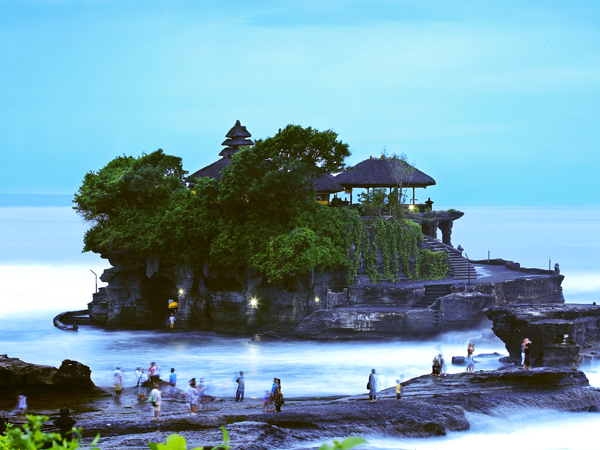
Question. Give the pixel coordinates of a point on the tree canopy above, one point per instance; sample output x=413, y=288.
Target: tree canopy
x=261, y=214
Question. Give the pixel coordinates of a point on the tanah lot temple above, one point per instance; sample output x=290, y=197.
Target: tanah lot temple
x=323, y=305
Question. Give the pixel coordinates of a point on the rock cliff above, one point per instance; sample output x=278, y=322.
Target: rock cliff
x=562, y=334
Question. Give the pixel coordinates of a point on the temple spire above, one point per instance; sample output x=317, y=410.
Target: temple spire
x=237, y=138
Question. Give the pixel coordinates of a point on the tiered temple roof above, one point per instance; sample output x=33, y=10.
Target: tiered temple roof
x=237, y=137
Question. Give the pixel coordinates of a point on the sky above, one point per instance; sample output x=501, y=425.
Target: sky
x=496, y=100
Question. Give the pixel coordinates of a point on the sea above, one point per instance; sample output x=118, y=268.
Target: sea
x=43, y=272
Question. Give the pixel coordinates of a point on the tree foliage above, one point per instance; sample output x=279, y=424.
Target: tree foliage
x=261, y=214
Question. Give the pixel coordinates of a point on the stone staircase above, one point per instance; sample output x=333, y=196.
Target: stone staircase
x=460, y=268
x=432, y=293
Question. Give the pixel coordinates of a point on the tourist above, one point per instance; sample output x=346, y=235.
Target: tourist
x=118, y=379
x=523, y=345
x=173, y=383
x=398, y=391
x=138, y=374
x=191, y=397
x=156, y=399
x=204, y=398
x=21, y=407
x=444, y=367
x=157, y=372
x=266, y=401
x=239, y=395
x=436, y=367
x=272, y=398
x=372, y=386
x=152, y=372
x=470, y=364
x=527, y=362
x=172, y=321
x=470, y=349
x=279, y=402
x=141, y=390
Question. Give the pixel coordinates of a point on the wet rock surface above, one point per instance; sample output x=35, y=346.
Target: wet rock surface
x=430, y=406
x=15, y=374
x=546, y=326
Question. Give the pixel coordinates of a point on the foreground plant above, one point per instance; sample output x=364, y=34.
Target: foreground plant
x=346, y=444
x=176, y=442
x=31, y=437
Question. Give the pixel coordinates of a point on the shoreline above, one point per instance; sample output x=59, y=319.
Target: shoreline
x=431, y=406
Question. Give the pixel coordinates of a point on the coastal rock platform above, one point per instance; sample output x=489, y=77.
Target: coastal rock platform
x=15, y=374
x=431, y=406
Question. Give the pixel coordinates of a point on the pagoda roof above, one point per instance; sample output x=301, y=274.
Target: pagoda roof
x=237, y=141
x=238, y=130
x=327, y=184
x=384, y=172
x=213, y=170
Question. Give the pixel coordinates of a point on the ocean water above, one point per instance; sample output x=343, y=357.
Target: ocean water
x=43, y=272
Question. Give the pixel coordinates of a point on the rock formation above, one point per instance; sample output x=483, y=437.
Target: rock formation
x=15, y=373
x=562, y=334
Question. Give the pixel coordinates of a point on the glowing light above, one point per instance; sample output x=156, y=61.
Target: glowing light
x=411, y=207
x=253, y=302
x=180, y=291
x=317, y=299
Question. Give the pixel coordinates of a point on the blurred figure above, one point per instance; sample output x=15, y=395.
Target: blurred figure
x=171, y=321
x=118, y=379
x=443, y=366
x=398, y=391
x=141, y=390
x=266, y=401
x=527, y=351
x=470, y=364
x=239, y=395
x=191, y=397
x=138, y=374
x=152, y=372
x=470, y=349
x=372, y=386
x=21, y=407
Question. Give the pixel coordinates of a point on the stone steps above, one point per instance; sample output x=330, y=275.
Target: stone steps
x=460, y=268
x=432, y=293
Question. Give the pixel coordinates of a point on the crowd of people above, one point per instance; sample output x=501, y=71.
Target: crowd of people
x=195, y=393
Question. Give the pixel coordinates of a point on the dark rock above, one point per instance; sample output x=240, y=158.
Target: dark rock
x=459, y=361
x=546, y=326
x=15, y=373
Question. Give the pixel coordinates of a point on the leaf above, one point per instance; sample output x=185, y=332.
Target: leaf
x=326, y=447
x=153, y=445
x=176, y=442
x=351, y=442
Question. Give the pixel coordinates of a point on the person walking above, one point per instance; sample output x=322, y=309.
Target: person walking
x=372, y=386
x=141, y=388
x=239, y=395
x=118, y=379
x=527, y=359
x=156, y=398
x=191, y=397
x=279, y=402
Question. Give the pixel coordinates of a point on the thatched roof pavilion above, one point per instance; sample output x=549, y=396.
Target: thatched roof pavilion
x=326, y=185
x=384, y=173
x=237, y=138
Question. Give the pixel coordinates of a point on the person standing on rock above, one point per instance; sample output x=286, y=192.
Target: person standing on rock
x=279, y=402
x=470, y=349
x=436, y=368
x=118, y=379
x=152, y=371
x=443, y=366
x=372, y=386
x=156, y=398
x=141, y=388
x=191, y=397
x=138, y=374
x=527, y=359
x=470, y=364
x=239, y=395
x=398, y=391
x=173, y=383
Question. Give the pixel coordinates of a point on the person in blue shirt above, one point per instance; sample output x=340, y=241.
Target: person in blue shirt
x=173, y=383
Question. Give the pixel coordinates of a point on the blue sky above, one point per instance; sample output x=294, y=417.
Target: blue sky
x=498, y=101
